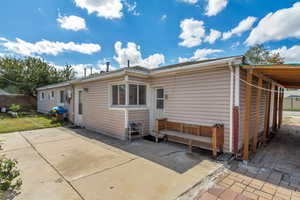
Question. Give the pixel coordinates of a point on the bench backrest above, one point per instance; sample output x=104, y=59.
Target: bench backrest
x=198, y=130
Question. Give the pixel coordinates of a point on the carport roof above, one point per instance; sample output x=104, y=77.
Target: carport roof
x=288, y=75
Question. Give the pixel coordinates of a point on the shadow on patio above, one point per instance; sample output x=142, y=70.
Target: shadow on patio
x=168, y=154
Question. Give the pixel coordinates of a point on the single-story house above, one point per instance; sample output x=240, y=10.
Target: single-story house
x=208, y=92
x=292, y=100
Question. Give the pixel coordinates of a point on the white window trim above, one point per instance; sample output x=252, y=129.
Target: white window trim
x=127, y=106
x=59, y=98
x=42, y=96
x=156, y=98
x=52, y=97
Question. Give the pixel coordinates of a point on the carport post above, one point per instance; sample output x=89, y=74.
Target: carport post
x=275, y=109
x=257, y=113
x=281, y=107
x=267, y=113
x=247, y=114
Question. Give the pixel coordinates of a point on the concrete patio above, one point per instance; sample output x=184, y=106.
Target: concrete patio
x=61, y=163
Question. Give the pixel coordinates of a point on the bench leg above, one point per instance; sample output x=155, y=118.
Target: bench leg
x=190, y=146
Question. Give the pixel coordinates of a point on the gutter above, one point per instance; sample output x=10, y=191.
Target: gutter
x=231, y=105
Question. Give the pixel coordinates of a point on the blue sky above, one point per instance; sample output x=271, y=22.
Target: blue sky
x=159, y=32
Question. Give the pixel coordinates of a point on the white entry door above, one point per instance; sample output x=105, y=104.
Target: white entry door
x=78, y=107
x=159, y=103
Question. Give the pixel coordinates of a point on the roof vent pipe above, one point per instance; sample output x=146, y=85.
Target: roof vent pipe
x=107, y=66
x=91, y=71
x=128, y=63
x=84, y=72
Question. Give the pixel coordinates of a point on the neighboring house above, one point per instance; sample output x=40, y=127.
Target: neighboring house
x=202, y=93
x=292, y=100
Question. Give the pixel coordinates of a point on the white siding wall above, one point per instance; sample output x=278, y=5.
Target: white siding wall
x=140, y=116
x=201, y=97
x=96, y=113
x=44, y=106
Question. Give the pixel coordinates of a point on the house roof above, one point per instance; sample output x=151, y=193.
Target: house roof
x=293, y=96
x=145, y=71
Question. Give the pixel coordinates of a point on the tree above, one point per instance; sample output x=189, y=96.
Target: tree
x=260, y=55
x=25, y=75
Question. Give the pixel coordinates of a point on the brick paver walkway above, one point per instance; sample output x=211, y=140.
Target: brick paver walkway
x=272, y=174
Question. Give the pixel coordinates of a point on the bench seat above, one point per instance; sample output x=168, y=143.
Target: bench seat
x=186, y=136
x=211, y=135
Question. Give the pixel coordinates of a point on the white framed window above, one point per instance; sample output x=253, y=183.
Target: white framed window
x=119, y=94
x=160, y=98
x=61, y=96
x=137, y=94
x=42, y=96
x=128, y=94
x=52, y=94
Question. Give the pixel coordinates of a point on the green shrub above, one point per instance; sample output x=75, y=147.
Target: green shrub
x=15, y=107
x=9, y=173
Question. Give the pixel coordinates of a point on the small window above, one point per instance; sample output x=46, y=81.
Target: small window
x=160, y=100
x=137, y=94
x=118, y=94
x=42, y=96
x=80, y=102
x=52, y=94
x=62, y=96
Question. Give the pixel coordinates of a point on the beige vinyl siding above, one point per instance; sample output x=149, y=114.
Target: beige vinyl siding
x=97, y=114
x=253, y=107
x=201, y=97
x=141, y=116
x=138, y=79
x=44, y=106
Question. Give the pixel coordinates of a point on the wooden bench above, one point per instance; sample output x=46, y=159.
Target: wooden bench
x=211, y=135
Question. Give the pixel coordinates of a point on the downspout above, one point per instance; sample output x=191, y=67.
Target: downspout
x=231, y=106
x=236, y=111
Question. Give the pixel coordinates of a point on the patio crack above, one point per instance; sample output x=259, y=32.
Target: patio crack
x=52, y=166
x=106, y=169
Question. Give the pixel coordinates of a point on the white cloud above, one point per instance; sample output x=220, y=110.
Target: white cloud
x=72, y=22
x=163, y=17
x=189, y=1
x=3, y=39
x=154, y=60
x=193, y=32
x=243, y=26
x=48, y=47
x=290, y=55
x=213, y=36
x=109, y=9
x=200, y=54
x=2, y=55
x=282, y=24
x=131, y=8
x=215, y=6
x=133, y=54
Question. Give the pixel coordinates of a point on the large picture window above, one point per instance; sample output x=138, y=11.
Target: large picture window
x=137, y=94
x=118, y=95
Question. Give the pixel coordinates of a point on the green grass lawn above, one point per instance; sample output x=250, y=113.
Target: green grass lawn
x=26, y=122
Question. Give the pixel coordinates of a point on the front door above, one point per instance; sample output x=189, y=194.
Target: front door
x=78, y=107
